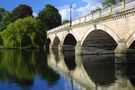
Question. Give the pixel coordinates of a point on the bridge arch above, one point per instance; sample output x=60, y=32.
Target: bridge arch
x=48, y=41
x=67, y=33
x=70, y=39
x=56, y=42
x=105, y=29
x=131, y=41
x=69, y=42
x=107, y=38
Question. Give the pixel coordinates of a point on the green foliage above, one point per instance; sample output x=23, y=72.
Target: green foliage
x=20, y=34
x=22, y=66
x=107, y=3
x=96, y=10
x=5, y=19
x=1, y=40
x=65, y=21
x=50, y=17
x=21, y=11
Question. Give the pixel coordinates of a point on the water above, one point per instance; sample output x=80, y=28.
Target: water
x=39, y=70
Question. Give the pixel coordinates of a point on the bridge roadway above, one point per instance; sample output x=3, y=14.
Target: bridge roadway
x=111, y=29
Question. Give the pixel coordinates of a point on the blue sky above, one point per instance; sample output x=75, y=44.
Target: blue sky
x=80, y=7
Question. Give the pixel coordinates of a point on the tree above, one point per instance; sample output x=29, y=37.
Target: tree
x=65, y=21
x=50, y=17
x=21, y=11
x=107, y=3
x=19, y=34
x=96, y=10
x=5, y=19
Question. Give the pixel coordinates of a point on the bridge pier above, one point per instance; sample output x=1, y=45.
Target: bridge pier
x=121, y=48
x=78, y=48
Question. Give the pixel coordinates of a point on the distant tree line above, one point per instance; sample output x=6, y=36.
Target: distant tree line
x=20, y=29
x=105, y=4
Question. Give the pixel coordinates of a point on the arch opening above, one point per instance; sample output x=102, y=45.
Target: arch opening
x=48, y=42
x=69, y=42
x=99, y=41
x=56, y=42
x=132, y=46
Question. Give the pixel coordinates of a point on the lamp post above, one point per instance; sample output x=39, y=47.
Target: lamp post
x=70, y=15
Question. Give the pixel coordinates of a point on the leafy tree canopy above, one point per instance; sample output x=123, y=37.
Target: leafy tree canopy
x=27, y=32
x=107, y=3
x=96, y=10
x=65, y=21
x=50, y=17
x=5, y=19
x=21, y=11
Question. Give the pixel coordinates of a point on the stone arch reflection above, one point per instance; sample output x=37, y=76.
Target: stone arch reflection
x=100, y=68
x=125, y=71
x=69, y=59
x=56, y=53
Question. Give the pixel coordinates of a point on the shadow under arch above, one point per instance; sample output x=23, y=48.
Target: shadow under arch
x=69, y=42
x=100, y=68
x=99, y=41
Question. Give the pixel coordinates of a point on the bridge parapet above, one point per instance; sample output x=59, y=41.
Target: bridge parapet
x=112, y=10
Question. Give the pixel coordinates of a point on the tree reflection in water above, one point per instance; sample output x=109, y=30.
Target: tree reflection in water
x=22, y=66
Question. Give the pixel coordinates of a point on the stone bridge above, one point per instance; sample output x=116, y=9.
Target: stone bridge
x=111, y=29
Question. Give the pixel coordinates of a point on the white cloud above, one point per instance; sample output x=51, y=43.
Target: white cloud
x=35, y=14
x=79, y=11
x=89, y=6
x=65, y=12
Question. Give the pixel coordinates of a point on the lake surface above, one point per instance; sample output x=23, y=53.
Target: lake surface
x=40, y=70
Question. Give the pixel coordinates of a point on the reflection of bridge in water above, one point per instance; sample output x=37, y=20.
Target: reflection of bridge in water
x=95, y=72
